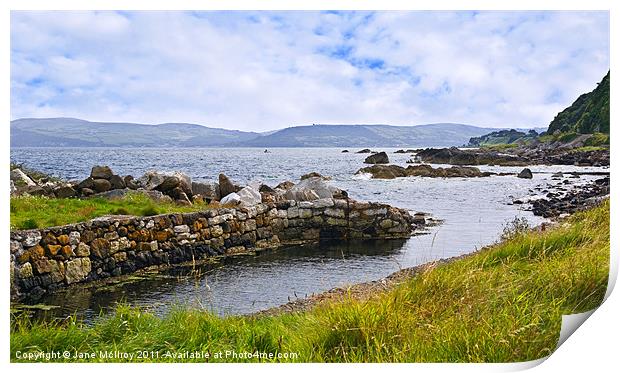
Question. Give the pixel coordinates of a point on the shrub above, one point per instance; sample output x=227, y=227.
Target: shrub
x=514, y=228
x=149, y=211
x=30, y=224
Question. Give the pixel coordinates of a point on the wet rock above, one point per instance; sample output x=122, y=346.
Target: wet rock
x=378, y=158
x=364, y=151
x=314, y=174
x=526, y=173
x=456, y=156
x=101, y=172
x=383, y=171
x=345, y=151
x=454, y=171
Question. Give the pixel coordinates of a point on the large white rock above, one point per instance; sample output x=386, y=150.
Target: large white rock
x=231, y=199
x=311, y=189
x=18, y=176
x=249, y=196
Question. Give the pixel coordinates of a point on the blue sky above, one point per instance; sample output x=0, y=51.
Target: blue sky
x=268, y=70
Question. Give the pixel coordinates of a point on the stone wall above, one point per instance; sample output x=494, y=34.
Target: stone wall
x=44, y=260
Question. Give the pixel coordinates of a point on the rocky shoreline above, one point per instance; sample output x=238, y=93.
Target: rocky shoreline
x=519, y=156
x=561, y=204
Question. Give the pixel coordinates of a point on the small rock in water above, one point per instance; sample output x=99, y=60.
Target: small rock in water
x=526, y=173
x=379, y=158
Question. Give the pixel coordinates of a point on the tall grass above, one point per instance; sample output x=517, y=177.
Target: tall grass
x=502, y=304
x=29, y=212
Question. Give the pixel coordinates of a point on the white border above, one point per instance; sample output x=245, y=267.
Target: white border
x=592, y=346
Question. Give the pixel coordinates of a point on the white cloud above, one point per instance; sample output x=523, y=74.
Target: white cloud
x=264, y=70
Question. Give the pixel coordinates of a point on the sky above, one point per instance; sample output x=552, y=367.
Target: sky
x=263, y=71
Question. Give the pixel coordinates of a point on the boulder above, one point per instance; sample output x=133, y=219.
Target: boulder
x=35, y=190
x=166, y=182
x=231, y=199
x=363, y=151
x=101, y=185
x=185, y=183
x=314, y=174
x=117, y=182
x=264, y=188
x=64, y=191
x=101, y=172
x=526, y=173
x=86, y=183
x=285, y=185
x=208, y=191
x=311, y=189
x=130, y=182
x=150, y=180
x=226, y=186
x=379, y=158
x=87, y=192
x=169, y=183
x=249, y=196
x=179, y=196
x=383, y=171
x=19, y=178
x=345, y=151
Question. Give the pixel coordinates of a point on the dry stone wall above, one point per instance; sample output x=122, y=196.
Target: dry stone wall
x=45, y=260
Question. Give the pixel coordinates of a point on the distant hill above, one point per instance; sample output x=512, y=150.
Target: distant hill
x=588, y=114
x=322, y=135
x=69, y=132
x=503, y=137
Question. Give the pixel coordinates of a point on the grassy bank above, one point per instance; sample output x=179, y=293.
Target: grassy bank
x=501, y=304
x=30, y=212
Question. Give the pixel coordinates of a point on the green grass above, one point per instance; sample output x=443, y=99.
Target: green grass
x=29, y=212
x=598, y=139
x=502, y=304
x=588, y=149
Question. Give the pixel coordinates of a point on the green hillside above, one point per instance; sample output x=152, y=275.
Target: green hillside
x=588, y=114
